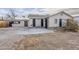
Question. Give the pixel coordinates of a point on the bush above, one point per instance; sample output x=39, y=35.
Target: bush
x=71, y=25
x=27, y=42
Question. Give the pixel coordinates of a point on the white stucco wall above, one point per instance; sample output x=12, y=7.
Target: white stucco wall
x=18, y=25
x=37, y=22
x=52, y=23
x=30, y=23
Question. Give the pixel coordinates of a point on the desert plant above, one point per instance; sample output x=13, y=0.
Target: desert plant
x=72, y=25
x=27, y=42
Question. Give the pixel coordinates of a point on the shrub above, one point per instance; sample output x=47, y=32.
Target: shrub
x=71, y=25
x=27, y=42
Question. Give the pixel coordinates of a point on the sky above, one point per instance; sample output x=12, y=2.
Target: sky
x=25, y=11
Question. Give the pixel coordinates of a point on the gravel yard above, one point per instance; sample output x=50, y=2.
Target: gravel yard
x=51, y=41
x=37, y=39
x=9, y=36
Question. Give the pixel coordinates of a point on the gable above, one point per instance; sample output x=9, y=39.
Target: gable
x=61, y=14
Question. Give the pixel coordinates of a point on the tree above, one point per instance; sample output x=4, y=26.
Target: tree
x=11, y=14
x=71, y=25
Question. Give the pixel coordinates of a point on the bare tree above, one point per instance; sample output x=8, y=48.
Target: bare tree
x=11, y=14
x=12, y=11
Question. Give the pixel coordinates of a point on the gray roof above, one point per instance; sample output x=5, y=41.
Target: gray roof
x=71, y=11
x=61, y=12
x=37, y=16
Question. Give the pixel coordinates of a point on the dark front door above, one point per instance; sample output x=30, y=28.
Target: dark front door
x=42, y=23
x=60, y=22
x=26, y=23
x=33, y=22
x=46, y=23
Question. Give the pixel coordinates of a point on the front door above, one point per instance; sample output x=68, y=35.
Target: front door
x=42, y=23
x=60, y=22
x=34, y=23
x=26, y=23
x=46, y=22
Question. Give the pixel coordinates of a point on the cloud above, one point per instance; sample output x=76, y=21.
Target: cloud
x=41, y=10
x=52, y=10
x=20, y=11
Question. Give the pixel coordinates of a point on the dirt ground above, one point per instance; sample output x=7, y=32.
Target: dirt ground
x=10, y=40
x=50, y=41
x=10, y=36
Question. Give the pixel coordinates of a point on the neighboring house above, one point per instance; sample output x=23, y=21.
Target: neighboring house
x=20, y=21
x=44, y=21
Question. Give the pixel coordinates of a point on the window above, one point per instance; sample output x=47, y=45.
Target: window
x=34, y=23
x=55, y=21
x=42, y=23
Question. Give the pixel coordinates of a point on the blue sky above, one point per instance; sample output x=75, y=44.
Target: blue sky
x=28, y=10
x=22, y=10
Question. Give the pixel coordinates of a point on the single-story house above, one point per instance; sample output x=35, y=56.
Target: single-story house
x=46, y=21
x=18, y=21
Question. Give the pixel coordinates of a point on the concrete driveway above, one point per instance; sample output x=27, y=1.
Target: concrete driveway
x=23, y=31
x=28, y=31
x=8, y=36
